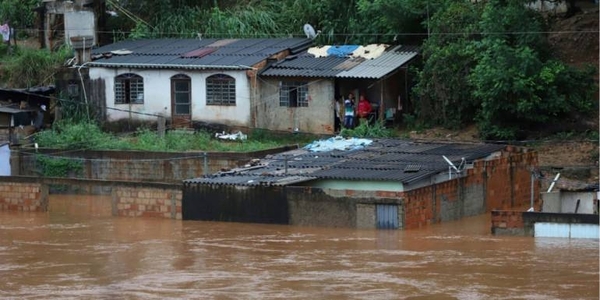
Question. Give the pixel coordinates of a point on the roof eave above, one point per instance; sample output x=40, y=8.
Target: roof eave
x=168, y=66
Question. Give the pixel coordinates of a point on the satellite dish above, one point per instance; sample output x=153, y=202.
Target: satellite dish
x=309, y=31
x=452, y=166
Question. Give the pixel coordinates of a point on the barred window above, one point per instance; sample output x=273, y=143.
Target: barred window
x=129, y=89
x=220, y=90
x=293, y=94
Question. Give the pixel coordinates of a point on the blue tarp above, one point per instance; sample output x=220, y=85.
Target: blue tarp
x=341, y=51
x=337, y=143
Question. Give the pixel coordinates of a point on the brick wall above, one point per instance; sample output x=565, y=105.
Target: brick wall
x=500, y=183
x=26, y=196
x=147, y=202
x=128, y=199
x=505, y=222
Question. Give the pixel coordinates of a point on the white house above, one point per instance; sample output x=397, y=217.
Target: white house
x=185, y=80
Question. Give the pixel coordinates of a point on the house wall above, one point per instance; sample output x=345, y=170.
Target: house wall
x=80, y=23
x=337, y=208
x=501, y=183
x=316, y=118
x=157, y=96
x=566, y=202
x=256, y=204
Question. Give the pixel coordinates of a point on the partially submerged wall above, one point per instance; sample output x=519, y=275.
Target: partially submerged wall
x=18, y=193
x=521, y=223
x=501, y=183
x=136, y=165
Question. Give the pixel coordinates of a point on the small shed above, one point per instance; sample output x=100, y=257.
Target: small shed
x=11, y=117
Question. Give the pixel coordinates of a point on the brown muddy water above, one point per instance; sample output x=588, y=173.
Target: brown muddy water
x=78, y=251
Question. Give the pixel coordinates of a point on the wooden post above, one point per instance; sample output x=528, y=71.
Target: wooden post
x=161, y=126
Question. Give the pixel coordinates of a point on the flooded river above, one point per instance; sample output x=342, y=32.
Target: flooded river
x=88, y=255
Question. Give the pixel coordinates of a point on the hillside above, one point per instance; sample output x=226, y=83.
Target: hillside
x=574, y=40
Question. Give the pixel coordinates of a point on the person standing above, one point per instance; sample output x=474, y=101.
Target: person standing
x=39, y=118
x=364, y=108
x=348, y=113
x=337, y=115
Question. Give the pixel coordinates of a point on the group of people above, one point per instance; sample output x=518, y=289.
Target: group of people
x=351, y=112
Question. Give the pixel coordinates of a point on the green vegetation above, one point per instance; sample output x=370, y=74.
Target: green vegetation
x=58, y=167
x=487, y=63
x=85, y=135
x=366, y=130
x=26, y=67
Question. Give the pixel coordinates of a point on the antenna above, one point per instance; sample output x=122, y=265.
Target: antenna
x=310, y=31
x=451, y=166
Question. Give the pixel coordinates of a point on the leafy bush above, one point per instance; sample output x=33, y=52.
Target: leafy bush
x=365, y=130
x=29, y=67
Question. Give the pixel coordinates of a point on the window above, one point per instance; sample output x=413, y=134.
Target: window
x=129, y=89
x=220, y=90
x=182, y=94
x=293, y=94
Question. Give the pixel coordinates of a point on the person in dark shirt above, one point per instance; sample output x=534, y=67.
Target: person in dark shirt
x=39, y=118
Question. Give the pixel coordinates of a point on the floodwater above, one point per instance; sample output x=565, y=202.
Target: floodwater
x=86, y=254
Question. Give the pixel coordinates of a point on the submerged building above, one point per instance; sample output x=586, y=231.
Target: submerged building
x=380, y=183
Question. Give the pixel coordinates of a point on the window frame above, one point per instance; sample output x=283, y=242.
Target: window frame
x=126, y=85
x=221, y=90
x=174, y=80
x=299, y=88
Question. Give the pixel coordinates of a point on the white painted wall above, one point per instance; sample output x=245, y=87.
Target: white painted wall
x=391, y=186
x=157, y=96
x=80, y=23
x=4, y=160
x=569, y=202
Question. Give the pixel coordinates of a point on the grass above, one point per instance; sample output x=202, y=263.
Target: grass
x=83, y=135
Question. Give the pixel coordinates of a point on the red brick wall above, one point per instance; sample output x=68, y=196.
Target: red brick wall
x=147, y=202
x=26, y=196
x=507, y=219
x=506, y=172
x=506, y=181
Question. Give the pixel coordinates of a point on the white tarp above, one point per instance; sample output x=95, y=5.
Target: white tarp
x=338, y=143
x=4, y=160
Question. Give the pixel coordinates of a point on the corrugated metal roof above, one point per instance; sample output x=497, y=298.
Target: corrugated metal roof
x=383, y=160
x=194, y=53
x=380, y=66
x=307, y=65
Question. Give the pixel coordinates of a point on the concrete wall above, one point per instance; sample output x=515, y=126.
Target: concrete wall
x=316, y=118
x=566, y=202
x=524, y=223
x=338, y=208
x=569, y=202
x=157, y=96
x=18, y=193
x=80, y=23
x=138, y=165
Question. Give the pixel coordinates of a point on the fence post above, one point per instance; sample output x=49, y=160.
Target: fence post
x=205, y=168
